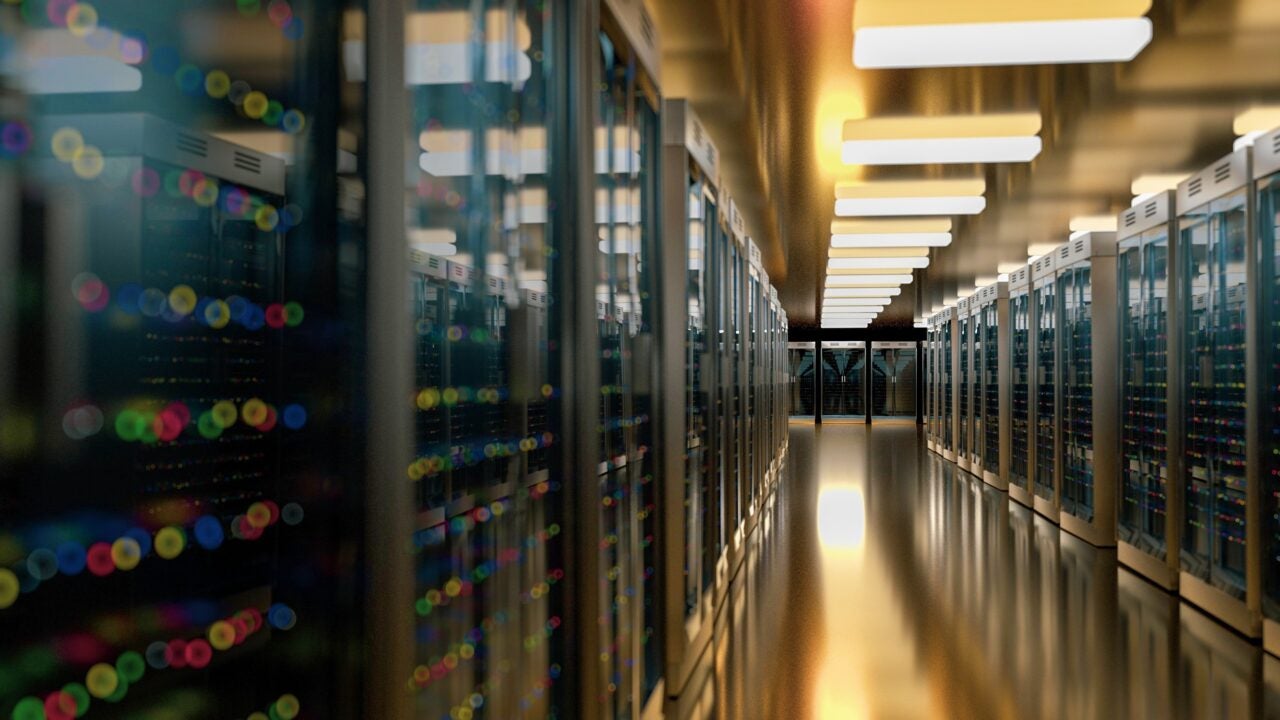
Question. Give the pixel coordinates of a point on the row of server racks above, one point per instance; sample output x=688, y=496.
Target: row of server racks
x=854, y=380
x=1125, y=386
x=384, y=361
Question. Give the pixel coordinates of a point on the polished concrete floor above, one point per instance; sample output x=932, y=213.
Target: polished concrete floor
x=884, y=583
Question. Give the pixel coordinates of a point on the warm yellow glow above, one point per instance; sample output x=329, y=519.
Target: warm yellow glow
x=878, y=252
x=839, y=100
x=948, y=126
x=1148, y=184
x=868, y=281
x=1260, y=118
x=885, y=227
x=886, y=13
x=1008, y=267
x=455, y=28
x=1093, y=223
x=910, y=189
x=868, y=271
x=1039, y=249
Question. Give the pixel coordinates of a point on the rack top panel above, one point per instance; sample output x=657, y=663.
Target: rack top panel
x=684, y=128
x=992, y=292
x=1148, y=214
x=1089, y=245
x=1266, y=154
x=1046, y=266
x=1020, y=279
x=801, y=345
x=1224, y=176
x=945, y=314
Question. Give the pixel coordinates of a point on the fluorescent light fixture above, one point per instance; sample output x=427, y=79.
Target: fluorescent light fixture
x=892, y=226
x=944, y=139
x=899, y=240
x=1157, y=183
x=848, y=292
x=877, y=252
x=1002, y=277
x=1093, y=223
x=868, y=281
x=876, y=263
x=910, y=197
x=847, y=318
x=1259, y=119
x=836, y=309
x=839, y=325
x=881, y=207
x=1001, y=43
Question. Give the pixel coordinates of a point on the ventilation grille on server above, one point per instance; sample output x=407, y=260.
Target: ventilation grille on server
x=1222, y=172
x=1064, y=253
x=1194, y=187
x=1131, y=218
x=1275, y=144
x=647, y=29
x=1150, y=210
x=248, y=163
x=1079, y=247
x=192, y=145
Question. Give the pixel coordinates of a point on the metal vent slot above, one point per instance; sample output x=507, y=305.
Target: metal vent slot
x=1194, y=187
x=1079, y=246
x=1130, y=219
x=1064, y=252
x=192, y=145
x=647, y=29
x=1151, y=210
x=248, y=163
x=1222, y=172
x=1275, y=144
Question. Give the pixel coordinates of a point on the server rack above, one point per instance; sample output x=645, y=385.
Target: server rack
x=975, y=384
x=1266, y=174
x=691, y=215
x=950, y=425
x=964, y=384
x=1046, y=484
x=1222, y=546
x=1088, y=334
x=1149, y=527
x=1022, y=376
x=995, y=369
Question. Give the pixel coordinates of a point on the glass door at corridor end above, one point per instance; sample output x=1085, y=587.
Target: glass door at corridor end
x=803, y=373
x=844, y=383
x=893, y=380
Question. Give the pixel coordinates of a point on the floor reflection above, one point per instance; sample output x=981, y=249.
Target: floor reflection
x=884, y=583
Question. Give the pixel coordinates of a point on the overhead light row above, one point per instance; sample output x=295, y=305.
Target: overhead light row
x=910, y=198
x=993, y=138
x=946, y=33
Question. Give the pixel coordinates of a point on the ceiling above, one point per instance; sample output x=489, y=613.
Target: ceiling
x=774, y=82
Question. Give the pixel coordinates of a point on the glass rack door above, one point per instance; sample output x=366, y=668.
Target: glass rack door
x=699, y=379
x=1046, y=389
x=1020, y=338
x=1144, y=287
x=626, y=153
x=1075, y=289
x=1269, y=262
x=844, y=384
x=991, y=387
x=946, y=386
x=1214, y=248
x=480, y=233
x=180, y=488
x=963, y=381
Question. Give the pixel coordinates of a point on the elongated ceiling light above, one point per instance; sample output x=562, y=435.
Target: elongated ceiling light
x=1093, y=223
x=876, y=263
x=862, y=292
x=910, y=197
x=947, y=33
x=945, y=139
x=867, y=281
x=832, y=303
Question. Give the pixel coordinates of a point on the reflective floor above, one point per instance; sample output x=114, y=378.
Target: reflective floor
x=884, y=583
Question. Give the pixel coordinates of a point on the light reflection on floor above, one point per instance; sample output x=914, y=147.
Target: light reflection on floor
x=885, y=583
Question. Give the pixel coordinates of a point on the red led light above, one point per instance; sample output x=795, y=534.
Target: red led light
x=99, y=561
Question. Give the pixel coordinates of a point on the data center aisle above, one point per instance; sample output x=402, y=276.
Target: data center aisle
x=887, y=584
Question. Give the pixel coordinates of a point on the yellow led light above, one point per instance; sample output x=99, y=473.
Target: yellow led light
x=878, y=252
x=910, y=189
x=1262, y=118
x=886, y=13
x=1000, y=125
x=891, y=226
